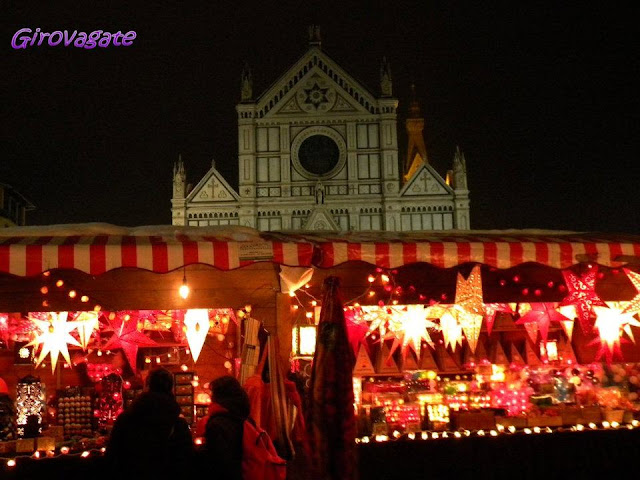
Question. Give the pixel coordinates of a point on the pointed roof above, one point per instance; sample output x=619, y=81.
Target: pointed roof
x=425, y=180
x=223, y=193
x=321, y=219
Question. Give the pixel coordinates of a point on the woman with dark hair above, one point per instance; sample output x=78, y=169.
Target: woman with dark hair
x=224, y=428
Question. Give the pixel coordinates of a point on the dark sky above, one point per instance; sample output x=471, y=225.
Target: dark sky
x=542, y=98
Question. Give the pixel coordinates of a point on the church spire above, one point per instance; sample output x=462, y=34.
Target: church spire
x=314, y=36
x=459, y=172
x=179, y=178
x=416, y=150
x=386, y=84
x=246, y=84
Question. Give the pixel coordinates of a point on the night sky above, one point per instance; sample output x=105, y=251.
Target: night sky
x=542, y=98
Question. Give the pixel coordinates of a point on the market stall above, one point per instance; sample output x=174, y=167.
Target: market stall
x=456, y=336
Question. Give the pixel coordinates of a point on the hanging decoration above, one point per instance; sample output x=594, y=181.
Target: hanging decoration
x=542, y=314
x=413, y=330
x=622, y=306
x=127, y=337
x=469, y=292
x=568, y=311
x=471, y=325
x=634, y=304
x=29, y=406
x=582, y=294
x=610, y=323
x=451, y=329
x=491, y=309
x=357, y=330
x=86, y=323
x=197, y=323
x=110, y=403
x=53, y=337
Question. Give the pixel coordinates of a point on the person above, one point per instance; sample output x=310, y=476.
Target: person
x=225, y=427
x=151, y=439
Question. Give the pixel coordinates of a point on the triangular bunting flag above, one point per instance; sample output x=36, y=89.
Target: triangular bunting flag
x=530, y=356
x=446, y=361
x=385, y=362
x=532, y=331
x=499, y=357
x=409, y=362
x=363, y=365
x=427, y=362
x=515, y=355
x=567, y=326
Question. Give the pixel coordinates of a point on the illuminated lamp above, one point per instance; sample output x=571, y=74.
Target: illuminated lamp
x=184, y=288
x=197, y=323
x=303, y=340
x=29, y=405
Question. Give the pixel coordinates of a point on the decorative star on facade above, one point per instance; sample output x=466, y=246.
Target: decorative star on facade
x=610, y=323
x=634, y=304
x=53, y=337
x=582, y=294
x=542, y=314
x=127, y=337
x=316, y=96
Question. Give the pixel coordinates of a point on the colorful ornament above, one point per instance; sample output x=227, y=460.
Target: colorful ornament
x=197, y=323
x=451, y=329
x=86, y=323
x=634, y=304
x=54, y=336
x=127, y=337
x=491, y=309
x=412, y=331
x=610, y=323
x=570, y=312
x=356, y=330
x=542, y=314
x=582, y=294
x=471, y=325
x=469, y=292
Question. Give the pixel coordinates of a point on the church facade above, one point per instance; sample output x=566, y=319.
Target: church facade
x=318, y=151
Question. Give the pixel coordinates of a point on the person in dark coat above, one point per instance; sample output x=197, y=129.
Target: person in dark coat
x=225, y=427
x=150, y=439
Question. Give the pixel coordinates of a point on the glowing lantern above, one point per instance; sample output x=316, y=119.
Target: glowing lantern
x=303, y=340
x=197, y=323
x=451, y=331
x=54, y=337
x=610, y=323
x=411, y=330
x=86, y=323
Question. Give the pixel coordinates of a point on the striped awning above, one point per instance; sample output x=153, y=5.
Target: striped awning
x=158, y=249
x=98, y=248
x=498, y=249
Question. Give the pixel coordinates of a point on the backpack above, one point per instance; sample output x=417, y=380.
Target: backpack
x=260, y=461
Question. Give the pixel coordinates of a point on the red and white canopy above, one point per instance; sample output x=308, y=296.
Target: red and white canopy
x=98, y=248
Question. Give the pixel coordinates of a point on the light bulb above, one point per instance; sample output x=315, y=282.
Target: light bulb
x=184, y=290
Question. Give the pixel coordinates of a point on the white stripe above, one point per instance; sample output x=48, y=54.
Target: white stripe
x=528, y=252
x=175, y=255
x=554, y=255
x=205, y=252
x=423, y=252
x=234, y=255
x=49, y=256
x=503, y=255
x=290, y=254
x=396, y=258
x=144, y=254
x=81, y=257
x=17, y=257
x=368, y=253
x=450, y=256
x=113, y=253
x=477, y=252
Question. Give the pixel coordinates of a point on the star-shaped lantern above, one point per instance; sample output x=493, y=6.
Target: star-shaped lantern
x=451, y=329
x=412, y=331
x=610, y=323
x=86, y=323
x=54, y=336
x=316, y=96
x=197, y=323
x=582, y=294
x=357, y=330
x=471, y=307
x=542, y=314
x=127, y=337
x=491, y=309
x=570, y=312
x=634, y=304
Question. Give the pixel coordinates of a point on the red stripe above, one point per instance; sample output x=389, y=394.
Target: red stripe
x=542, y=253
x=354, y=251
x=305, y=252
x=159, y=255
x=221, y=255
x=636, y=249
x=437, y=254
x=491, y=253
x=4, y=258
x=278, y=252
x=616, y=250
x=189, y=251
x=409, y=253
x=128, y=252
x=382, y=255
x=566, y=255
x=98, y=255
x=464, y=252
x=328, y=258
x=33, y=259
x=515, y=253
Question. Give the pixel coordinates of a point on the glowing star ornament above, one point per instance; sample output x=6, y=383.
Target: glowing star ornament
x=471, y=325
x=451, y=330
x=569, y=311
x=127, y=337
x=610, y=323
x=53, y=337
x=582, y=294
x=86, y=323
x=634, y=304
x=413, y=330
x=542, y=314
x=491, y=309
x=197, y=323
x=469, y=292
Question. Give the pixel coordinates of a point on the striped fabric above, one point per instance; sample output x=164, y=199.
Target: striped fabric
x=96, y=252
x=27, y=256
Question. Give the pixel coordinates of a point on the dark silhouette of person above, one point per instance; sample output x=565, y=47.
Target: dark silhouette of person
x=150, y=439
x=222, y=453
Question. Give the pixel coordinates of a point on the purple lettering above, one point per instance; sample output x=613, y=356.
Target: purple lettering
x=54, y=43
x=35, y=35
x=68, y=40
x=105, y=40
x=128, y=38
x=22, y=40
x=91, y=41
x=115, y=39
x=43, y=35
x=81, y=40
